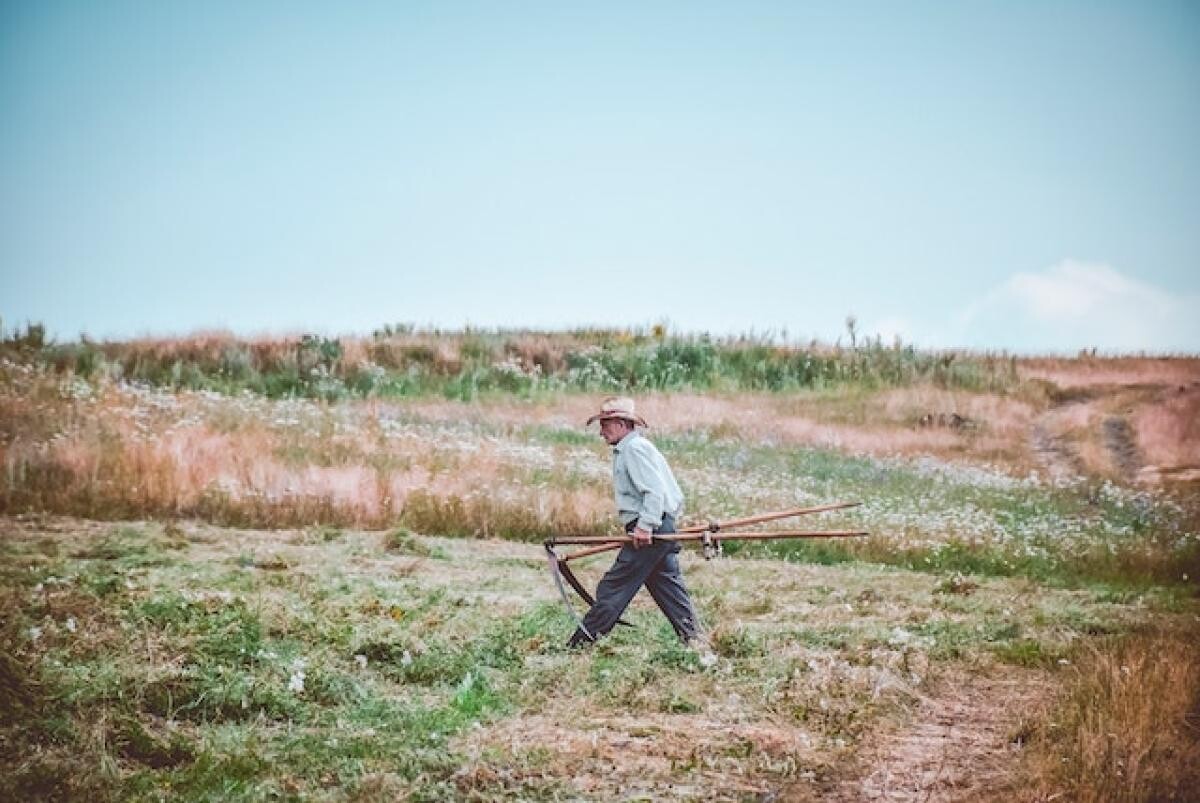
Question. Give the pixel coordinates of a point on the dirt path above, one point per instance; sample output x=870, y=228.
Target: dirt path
x=959, y=745
x=1122, y=447
x=1054, y=454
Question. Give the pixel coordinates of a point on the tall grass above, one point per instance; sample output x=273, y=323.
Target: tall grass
x=464, y=364
x=1128, y=727
x=117, y=451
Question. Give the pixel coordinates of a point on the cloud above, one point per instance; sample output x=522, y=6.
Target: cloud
x=1075, y=305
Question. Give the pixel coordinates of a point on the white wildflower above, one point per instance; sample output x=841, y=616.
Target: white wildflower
x=296, y=681
x=406, y=659
x=70, y=624
x=361, y=660
x=35, y=633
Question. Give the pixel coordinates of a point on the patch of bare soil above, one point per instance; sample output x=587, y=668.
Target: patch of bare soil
x=961, y=743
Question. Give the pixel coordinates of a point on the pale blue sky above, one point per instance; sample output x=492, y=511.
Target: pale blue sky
x=1020, y=175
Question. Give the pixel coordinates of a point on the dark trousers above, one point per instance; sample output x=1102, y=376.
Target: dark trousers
x=655, y=566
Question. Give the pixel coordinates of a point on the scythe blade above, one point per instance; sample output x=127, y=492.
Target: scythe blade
x=556, y=573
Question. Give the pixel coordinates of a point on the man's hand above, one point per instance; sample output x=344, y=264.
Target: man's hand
x=641, y=538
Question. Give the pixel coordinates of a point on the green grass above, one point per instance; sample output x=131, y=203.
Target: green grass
x=942, y=520
x=1065, y=535
x=179, y=677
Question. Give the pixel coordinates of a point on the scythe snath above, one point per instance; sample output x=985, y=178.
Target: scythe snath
x=710, y=536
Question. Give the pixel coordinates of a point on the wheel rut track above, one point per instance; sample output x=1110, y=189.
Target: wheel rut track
x=1121, y=443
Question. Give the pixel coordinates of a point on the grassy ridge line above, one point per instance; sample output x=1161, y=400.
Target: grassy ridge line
x=463, y=364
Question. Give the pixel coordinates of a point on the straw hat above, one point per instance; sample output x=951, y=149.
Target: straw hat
x=618, y=407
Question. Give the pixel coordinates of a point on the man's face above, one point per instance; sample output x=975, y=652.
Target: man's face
x=613, y=429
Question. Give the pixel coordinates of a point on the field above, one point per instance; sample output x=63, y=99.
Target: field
x=311, y=569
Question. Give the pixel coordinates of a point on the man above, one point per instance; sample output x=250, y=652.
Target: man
x=648, y=501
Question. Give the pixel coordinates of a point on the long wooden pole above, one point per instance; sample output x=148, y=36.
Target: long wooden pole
x=763, y=517
x=607, y=544
x=596, y=550
x=732, y=535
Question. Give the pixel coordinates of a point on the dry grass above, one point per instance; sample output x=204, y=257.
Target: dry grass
x=443, y=352
x=623, y=757
x=191, y=457
x=883, y=424
x=526, y=469
x=1168, y=433
x=956, y=745
x=114, y=452
x=1128, y=725
x=1086, y=372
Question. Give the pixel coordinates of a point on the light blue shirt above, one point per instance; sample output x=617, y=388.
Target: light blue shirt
x=643, y=484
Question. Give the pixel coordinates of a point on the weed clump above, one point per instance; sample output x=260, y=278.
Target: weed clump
x=403, y=541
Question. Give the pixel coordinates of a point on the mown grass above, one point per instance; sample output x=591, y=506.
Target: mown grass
x=147, y=662
x=194, y=707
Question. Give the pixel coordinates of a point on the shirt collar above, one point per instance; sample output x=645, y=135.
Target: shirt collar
x=633, y=433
